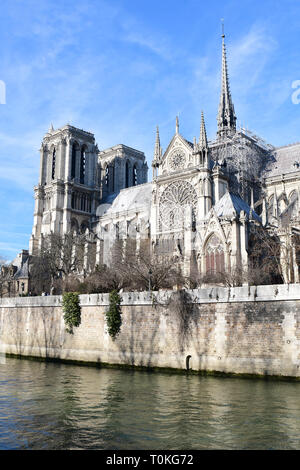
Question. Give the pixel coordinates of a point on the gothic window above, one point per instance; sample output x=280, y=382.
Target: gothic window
x=134, y=176
x=173, y=204
x=214, y=255
x=53, y=163
x=293, y=203
x=82, y=166
x=83, y=226
x=270, y=206
x=281, y=204
x=112, y=172
x=74, y=225
x=127, y=175
x=73, y=166
x=106, y=176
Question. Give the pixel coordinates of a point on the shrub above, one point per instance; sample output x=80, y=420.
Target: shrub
x=72, y=310
x=113, y=314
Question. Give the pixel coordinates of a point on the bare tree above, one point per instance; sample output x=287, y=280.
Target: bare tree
x=2, y=277
x=142, y=269
x=265, y=264
x=7, y=287
x=60, y=257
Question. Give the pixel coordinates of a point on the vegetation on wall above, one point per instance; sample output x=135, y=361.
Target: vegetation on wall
x=72, y=310
x=113, y=314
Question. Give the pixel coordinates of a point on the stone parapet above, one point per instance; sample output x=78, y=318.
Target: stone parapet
x=198, y=296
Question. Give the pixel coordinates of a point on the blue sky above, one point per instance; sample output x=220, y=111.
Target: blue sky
x=118, y=68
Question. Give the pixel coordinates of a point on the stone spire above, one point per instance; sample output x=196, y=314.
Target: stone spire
x=203, y=136
x=201, y=150
x=157, y=154
x=157, y=149
x=226, y=115
x=177, y=125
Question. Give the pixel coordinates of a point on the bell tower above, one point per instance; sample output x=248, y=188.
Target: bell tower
x=68, y=191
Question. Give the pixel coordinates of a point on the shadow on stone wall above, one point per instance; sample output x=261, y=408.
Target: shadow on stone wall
x=255, y=335
x=138, y=342
x=37, y=333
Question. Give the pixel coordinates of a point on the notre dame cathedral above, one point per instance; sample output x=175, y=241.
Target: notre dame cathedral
x=202, y=201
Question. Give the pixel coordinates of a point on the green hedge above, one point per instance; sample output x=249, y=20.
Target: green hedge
x=72, y=310
x=113, y=314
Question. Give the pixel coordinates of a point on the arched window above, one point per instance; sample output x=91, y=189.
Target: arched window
x=127, y=175
x=282, y=204
x=84, y=226
x=112, y=177
x=74, y=225
x=214, y=255
x=82, y=166
x=106, y=176
x=53, y=163
x=176, y=198
x=134, y=176
x=270, y=206
x=73, y=166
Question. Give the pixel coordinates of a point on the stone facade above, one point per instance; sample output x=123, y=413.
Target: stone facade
x=245, y=330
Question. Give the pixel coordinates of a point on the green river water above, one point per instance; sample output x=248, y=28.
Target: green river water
x=47, y=405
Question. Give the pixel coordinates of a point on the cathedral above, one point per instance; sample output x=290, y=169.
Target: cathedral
x=200, y=206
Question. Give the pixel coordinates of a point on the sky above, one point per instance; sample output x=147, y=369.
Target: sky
x=119, y=68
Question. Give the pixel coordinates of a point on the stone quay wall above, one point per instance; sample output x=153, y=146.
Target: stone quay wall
x=241, y=330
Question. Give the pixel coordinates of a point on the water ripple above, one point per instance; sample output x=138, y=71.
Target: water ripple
x=56, y=406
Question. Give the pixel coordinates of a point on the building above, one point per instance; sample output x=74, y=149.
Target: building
x=200, y=206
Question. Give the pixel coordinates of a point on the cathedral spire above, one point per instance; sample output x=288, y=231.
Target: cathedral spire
x=177, y=125
x=203, y=136
x=226, y=115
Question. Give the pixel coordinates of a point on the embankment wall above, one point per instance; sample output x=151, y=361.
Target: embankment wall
x=242, y=330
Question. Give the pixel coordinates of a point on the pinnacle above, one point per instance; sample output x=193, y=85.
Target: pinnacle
x=203, y=136
x=157, y=150
x=177, y=125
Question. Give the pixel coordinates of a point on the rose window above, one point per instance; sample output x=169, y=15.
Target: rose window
x=174, y=201
x=177, y=160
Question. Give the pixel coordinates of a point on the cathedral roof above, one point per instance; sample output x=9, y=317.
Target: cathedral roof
x=231, y=205
x=287, y=160
x=134, y=198
x=23, y=271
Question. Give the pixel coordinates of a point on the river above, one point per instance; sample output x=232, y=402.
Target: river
x=47, y=405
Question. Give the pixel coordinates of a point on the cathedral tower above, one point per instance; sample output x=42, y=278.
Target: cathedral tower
x=121, y=167
x=68, y=189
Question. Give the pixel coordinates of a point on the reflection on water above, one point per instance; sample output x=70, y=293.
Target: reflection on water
x=57, y=406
